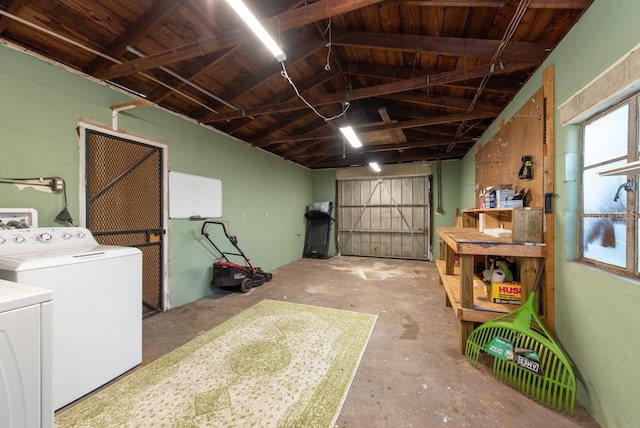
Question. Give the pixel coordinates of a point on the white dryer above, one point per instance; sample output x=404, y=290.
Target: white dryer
x=25, y=356
x=97, y=289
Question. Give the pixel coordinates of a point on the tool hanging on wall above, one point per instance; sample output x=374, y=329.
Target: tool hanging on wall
x=56, y=184
x=525, y=172
x=439, y=209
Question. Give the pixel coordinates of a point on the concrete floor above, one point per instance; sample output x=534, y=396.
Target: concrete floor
x=412, y=373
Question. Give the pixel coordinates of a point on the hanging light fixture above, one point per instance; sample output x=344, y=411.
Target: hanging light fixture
x=254, y=25
x=351, y=136
x=374, y=166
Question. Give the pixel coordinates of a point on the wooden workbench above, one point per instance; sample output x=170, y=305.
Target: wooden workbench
x=466, y=292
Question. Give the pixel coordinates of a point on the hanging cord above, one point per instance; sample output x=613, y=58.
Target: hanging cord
x=327, y=67
x=439, y=209
x=345, y=105
x=511, y=30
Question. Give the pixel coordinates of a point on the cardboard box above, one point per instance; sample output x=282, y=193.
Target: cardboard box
x=517, y=203
x=502, y=195
x=506, y=292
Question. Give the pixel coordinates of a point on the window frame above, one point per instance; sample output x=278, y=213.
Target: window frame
x=632, y=227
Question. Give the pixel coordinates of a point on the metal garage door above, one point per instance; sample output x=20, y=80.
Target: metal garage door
x=388, y=217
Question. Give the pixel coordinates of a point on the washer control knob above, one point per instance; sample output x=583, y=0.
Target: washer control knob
x=80, y=235
x=2, y=241
x=19, y=239
x=67, y=235
x=44, y=237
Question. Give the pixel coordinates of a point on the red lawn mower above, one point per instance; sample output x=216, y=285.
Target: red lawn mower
x=229, y=274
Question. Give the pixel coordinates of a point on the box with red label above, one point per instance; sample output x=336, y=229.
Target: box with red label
x=508, y=292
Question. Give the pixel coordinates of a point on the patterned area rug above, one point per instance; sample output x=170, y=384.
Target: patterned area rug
x=276, y=364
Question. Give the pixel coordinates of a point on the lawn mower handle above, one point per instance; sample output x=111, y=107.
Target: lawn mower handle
x=224, y=226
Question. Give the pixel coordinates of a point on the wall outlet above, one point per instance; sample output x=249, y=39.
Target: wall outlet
x=57, y=184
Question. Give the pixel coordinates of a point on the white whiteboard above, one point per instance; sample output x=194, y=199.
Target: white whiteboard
x=194, y=196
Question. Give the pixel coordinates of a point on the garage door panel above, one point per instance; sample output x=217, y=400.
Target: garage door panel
x=419, y=192
x=385, y=217
x=365, y=223
x=396, y=220
x=376, y=245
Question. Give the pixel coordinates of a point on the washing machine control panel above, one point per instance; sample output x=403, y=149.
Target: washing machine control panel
x=44, y=238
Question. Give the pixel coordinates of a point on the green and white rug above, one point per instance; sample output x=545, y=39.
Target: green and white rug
x=276, y=364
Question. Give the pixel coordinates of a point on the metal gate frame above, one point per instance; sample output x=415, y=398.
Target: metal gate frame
x=162, y=231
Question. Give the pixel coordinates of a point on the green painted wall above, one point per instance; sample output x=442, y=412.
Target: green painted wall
x=451, y=203
x=263, y=196
x=597, y=313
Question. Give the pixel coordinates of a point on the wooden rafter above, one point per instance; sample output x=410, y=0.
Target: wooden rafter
x=134, y=33
x=383, y=89
x=286, y=21
x=386, y=127
x=453, y=46
x=458, y=103
x=542, y=4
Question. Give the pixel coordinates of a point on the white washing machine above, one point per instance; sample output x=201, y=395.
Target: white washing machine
x=25, y=356
x=97, y=289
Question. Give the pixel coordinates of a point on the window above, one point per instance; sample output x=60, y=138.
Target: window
x=609, y=223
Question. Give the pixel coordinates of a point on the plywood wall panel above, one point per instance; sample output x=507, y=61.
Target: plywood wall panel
x=499, y=161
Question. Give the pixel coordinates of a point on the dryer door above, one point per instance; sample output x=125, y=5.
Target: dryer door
x=20, y=395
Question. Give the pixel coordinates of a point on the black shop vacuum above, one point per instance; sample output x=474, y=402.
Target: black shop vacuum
x=229, y=274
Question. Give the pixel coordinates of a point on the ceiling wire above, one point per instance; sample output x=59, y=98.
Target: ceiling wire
x=327, y=67
x=287, y=77
x=104, y=56
x=345, y=105
x=510, y=31
x=185, y=81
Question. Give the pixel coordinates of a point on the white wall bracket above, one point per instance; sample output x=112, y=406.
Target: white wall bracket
x=117, y=108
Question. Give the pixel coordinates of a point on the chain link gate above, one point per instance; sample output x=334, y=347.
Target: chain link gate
x=124, y=204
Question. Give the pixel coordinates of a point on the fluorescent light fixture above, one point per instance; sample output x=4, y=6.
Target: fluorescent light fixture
x=374, y=166
x=252, y=22
x=351, y=136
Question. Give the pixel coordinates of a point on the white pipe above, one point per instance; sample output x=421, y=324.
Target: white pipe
x=114, y=115
x=100, y=54
x=185, y=81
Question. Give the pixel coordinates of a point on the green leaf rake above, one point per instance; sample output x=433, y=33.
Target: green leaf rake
x=525, y=356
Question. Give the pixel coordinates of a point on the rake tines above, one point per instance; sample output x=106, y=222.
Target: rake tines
x=532, y=362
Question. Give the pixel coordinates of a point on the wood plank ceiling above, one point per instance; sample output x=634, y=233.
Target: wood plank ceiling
x=418, y=80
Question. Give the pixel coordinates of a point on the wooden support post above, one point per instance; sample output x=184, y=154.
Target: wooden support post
x=529, y=268
x=548, y=293
x=449, y=257
x=466, y=296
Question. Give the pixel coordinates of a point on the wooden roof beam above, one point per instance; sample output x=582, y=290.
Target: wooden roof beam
x=457, y=103
x=535, y=4
x=134, y=33
x=364, y=129
x=321, y=151
x=379, y=71
x=453, y=46
x=286, y=21
x=373, y=91
x=13, y=7
x=307, y=84
x=428, y=154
